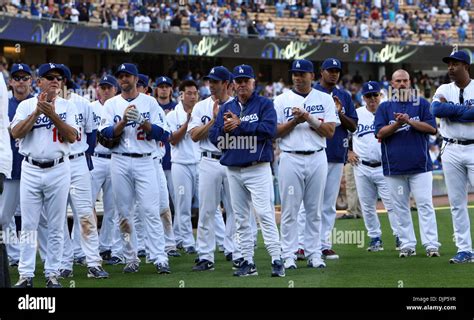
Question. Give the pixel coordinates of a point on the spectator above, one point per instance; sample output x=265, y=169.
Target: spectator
x=74, y=15
x=204, y=26
x=310, y=31
x=270, y=29
x=462, y=32
x=175, y=23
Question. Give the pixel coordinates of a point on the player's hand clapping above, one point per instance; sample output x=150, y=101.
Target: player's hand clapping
x=299, y=115
x=215, y=107
x=231, y=121
x=402, y=118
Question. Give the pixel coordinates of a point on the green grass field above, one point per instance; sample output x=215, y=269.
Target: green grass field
x=355, y=268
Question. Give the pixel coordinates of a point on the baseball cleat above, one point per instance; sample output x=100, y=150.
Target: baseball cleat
x=106, y=255
x=462, y=257
x=173, y=253
x=228, y=257
x=190, y=250
x=300, y=254
x=398, y=243
x=317, y=263
x=24, y=282
x=163, y=268
x=204, y=265
x=141, y=253
x=237, y=263
x=278, y=270
x=404, y=253
x=14, y=263
x=81, y=261
x=65, y=273
x=246, y=269
x=290, y=264
x=131, y=267
x=52, y=282
x=375, y=245
x=114, y=261
x=179, y=246
x=432, y=252
x=97, y=273
x=329, y=254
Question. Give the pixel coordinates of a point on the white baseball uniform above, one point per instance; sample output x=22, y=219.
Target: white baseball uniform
x=184, y=159
x=369, y=175
x=303, y=169
x=44, y=187
x=133, y=175
x=458, y=162
x=212, y=179
x=5, y=150
x=109, y=236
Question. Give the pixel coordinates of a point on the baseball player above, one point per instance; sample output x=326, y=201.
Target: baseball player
x=250, y=119
x=134, y=117
x=306, y=117
x=336, y=151
x=164, y=87
x=404, y=126
x=80, y=194
x=46, y=126
x=184, y=158
x=109, y=236
x=366, y=158
x=212, y=176
x=453, y=104
x=20, y=82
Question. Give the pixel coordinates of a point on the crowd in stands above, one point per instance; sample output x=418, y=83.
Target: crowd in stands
x=377, y=20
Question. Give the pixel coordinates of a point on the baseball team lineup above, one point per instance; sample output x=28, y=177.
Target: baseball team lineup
x=144, y=156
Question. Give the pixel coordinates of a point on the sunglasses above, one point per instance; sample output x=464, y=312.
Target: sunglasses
x=371, y=95
x=24, y=78
x=51, y=77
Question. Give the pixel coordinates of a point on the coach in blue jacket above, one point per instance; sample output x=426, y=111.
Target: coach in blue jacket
x=403, y=125
x=243, y=130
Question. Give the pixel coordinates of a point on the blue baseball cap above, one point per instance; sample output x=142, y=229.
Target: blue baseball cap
x=370, y=87
x=143, y=80
x=243, y=71
x=331, y=63
x=20, y=67
x=129, y=68
x=47, y=67
x=219, y=73
x=302, y=65
x=165, y=80
x=108, y=79
x=459, y=56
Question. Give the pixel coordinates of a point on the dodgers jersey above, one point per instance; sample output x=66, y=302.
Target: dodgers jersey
x=99, y=110
x=166, y=164
x=43, y=142
x=450, y=128
x=87, y=122
x=364, y=143
x=406, y=151
x=201, y=115
x=133, y=139
x=302, y=137
x=5, y=153
x=338, y=145
x=186, y=151
x=160, y=145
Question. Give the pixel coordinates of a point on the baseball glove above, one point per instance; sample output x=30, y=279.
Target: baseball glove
x=107, y=142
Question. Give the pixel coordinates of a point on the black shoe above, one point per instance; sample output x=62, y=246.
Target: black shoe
x=97, y=273
x=174, y=253
x=65, y=273
x=52, y=282
x=106, y=255
x=278, y=269
x=346, y=216
x=163, y=268
x=81, y=261
x=179, y=246
x=237, y=263
x=24, y=282
x=246, y=269
x=191, y=250
x=204, y=265
x=114, y=261
x=141, y=254
x=14, y=263
x=228, y=257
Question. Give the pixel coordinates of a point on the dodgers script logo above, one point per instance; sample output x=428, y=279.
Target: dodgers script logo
x=312, y=109
x=362, y=129
x=250, y=118
x=45, y=121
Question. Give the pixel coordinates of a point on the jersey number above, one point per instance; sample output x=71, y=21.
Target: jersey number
x=57, y=136
x=141, y=134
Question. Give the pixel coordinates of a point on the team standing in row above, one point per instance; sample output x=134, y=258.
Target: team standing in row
x=57, y=150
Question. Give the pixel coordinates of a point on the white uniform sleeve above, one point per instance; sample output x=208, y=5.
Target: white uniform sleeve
x=330, y=114
x=279, y=107
x=6, y=156
x=22, y=112
x=443, y=90
x=90, y=123
x=171, y=119
x=107, y=115
x=155, y=116
x=71, y=116
x=196, y=117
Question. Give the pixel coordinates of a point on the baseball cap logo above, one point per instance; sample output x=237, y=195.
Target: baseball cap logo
x=122, y=67
x=105, y=79
x=241, y=70
x=334, y=62
x=164, y=79
x=297, y=64
x=20, y=67
x=370, y=87
x=52, y=66
x=212, y=70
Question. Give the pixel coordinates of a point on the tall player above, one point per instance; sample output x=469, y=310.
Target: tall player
x=367, y=161
x=306, y=117
x=46, y=126
x=212, y=176
x=337, y=148
x=453, y=103
x=134, y=117
x=20, y=82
